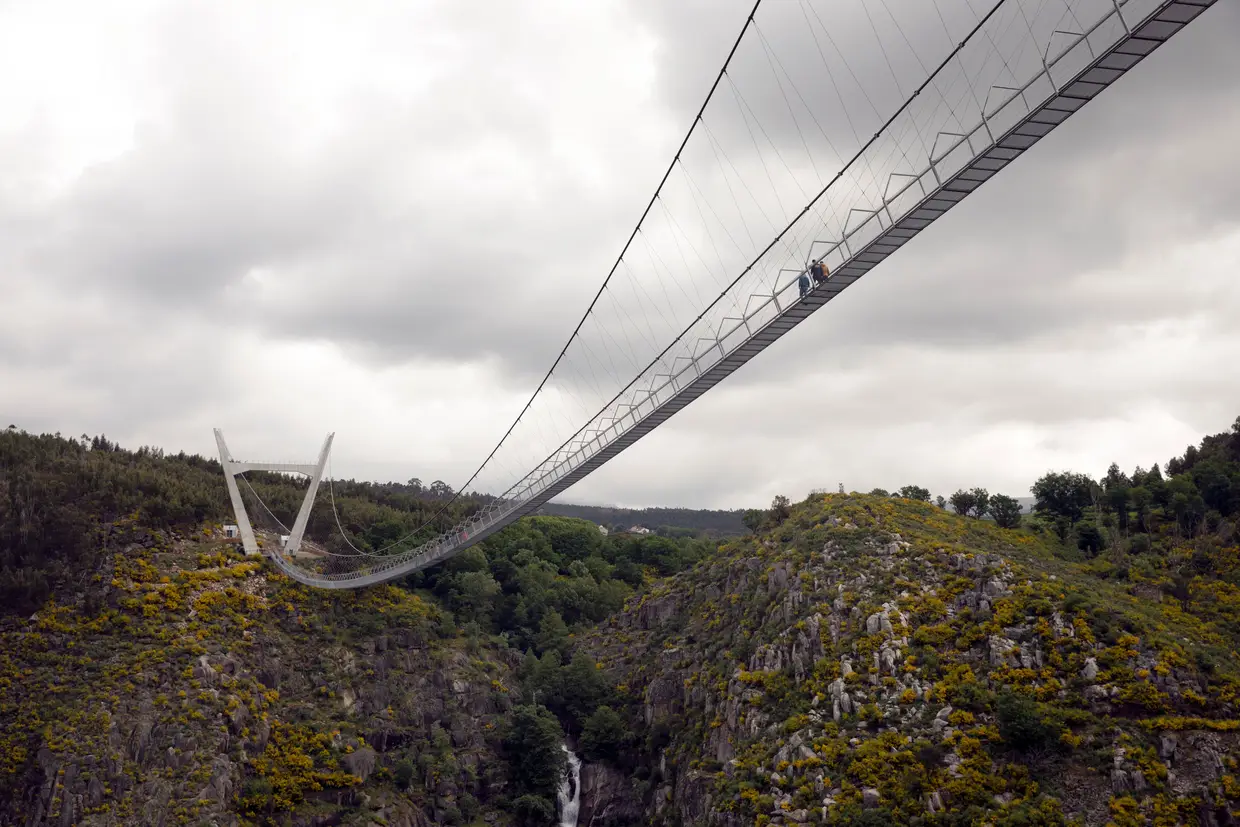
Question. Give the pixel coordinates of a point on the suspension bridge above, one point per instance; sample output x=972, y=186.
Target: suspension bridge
x=828, y=136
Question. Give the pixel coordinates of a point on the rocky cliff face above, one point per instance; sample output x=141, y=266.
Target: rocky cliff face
x=877, y=661
x=607, y=798
x=191, y=686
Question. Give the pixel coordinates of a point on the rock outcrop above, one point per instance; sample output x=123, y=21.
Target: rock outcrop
x=880, y=657
x=607, y=798
x=212, y=689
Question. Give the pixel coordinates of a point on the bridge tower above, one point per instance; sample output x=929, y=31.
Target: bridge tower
x=232, y=468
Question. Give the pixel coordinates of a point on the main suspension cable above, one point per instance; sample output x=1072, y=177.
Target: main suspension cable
x=624, y=251
x=855, y=159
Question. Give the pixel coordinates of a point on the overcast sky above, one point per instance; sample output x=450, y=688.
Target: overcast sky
x=384, y=219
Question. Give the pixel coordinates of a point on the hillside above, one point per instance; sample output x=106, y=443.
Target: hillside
x=151, y=674
x=58, y=496
x=195, y=686
x=860, y=659
x=667, y=521
x=879, y=661
x=188, y=684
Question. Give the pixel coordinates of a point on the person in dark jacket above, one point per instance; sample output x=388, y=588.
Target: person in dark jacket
x=819, y=272
x=803, y=283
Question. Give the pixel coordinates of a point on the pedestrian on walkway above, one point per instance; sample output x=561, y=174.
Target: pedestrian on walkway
x=819, y=272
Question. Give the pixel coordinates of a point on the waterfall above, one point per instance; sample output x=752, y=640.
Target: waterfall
x=569, y=794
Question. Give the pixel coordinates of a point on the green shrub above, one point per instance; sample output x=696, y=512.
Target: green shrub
x=403, y=774
x=1074, y=602
x=604, y=735
x=972, y=696
x=534, y=810
x=1024, y=725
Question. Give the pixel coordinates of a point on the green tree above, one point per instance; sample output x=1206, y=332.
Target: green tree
x=604, y=735
x=915, y=492
x=1186, y=503
x=403, y=774
x=552, y=633
x=629, y=571
x=1115, y=478
x=1157, y=486
x=1181, y=589
x=473, y=558
x=536, y=763
x=1116, y=500
x=963, y=502
x=570, y=539
x=534, y=810
x=1141, y=501
x=1005, y=510
x=540, y=677
x=599, y=568
x=981, y=502
x=880, y=492
x=1064, y=494
x=1089, y=538
x=1214, y=481
x=473, y=594
x=582, y=688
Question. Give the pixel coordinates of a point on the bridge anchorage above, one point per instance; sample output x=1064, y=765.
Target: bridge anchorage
x=1019, y=73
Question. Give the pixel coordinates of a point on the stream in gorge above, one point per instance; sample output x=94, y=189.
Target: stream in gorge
x=569, y=794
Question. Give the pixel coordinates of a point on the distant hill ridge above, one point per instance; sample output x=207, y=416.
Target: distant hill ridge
x=712, y=522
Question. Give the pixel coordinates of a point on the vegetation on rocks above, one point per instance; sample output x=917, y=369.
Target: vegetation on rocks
x=151, y=673
x=189, y=683
x=876, y=660
x=868, y=659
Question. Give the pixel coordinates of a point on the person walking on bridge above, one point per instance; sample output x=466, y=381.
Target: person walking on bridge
x=819, y=272
x=803, y=283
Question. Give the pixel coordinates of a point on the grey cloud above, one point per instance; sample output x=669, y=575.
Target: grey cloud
x=461, y=224
x=849, y=64
x=908, y=416
x=1008, y=267
x=1195, y=83
x=171, y=228
x=124, y=373
x=1041, y=257
x=1075, y=239
x=368, y=239
x=695, y=36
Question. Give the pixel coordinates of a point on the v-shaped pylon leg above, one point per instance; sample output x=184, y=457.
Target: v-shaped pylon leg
x=303, y=514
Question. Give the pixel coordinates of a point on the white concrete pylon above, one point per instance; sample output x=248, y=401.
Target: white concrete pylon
x=232, y=468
